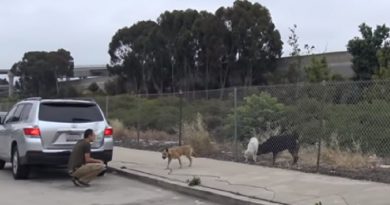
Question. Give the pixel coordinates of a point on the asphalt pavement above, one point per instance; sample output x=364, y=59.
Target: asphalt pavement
x=53, y=186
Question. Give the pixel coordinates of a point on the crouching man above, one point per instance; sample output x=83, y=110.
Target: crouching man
x=82, y=167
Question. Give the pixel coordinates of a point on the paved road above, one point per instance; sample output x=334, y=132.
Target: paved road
x=48, y=187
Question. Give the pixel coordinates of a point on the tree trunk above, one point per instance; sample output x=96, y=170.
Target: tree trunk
x=207, y=78
x=224, y=76
x=172, y=83
x=185, y=75
x=156, y=86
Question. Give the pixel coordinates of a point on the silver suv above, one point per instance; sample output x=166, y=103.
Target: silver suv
x=43, y=131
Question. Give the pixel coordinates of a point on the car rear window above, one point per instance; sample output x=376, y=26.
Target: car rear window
x=69, y=112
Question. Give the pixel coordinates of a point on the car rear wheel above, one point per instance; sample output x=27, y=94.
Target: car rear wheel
x=19, y=171
x=2, y=164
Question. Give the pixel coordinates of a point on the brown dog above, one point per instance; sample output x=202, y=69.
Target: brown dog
x=177, y=152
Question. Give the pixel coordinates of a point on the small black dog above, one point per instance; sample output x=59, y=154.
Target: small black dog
x=276, y=144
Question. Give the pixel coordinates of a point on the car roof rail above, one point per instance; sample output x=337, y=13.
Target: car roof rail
x=82, y=98
x=33, y=98
x=76, y=98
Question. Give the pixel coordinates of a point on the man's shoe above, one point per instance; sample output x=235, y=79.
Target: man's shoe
x=76, y=182
x=82, y=183
x=101, y=173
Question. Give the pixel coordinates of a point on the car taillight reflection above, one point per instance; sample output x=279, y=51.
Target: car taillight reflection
x=108, y=132
x=33, y=132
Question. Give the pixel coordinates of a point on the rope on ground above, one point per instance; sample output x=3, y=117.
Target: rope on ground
x=218, y=178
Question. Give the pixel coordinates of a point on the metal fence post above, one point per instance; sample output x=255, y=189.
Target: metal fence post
x=319, y=147
x=235, y=125
x=180, y=115
x=138, y=98
x=323, y=84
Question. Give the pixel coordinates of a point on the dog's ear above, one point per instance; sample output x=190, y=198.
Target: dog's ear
x=166, y=149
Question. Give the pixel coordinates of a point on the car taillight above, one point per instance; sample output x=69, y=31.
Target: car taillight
x=34, y=132
x=108, y=132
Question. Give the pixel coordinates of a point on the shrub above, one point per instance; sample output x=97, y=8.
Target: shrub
x=195, y=134
x=214, y=112
x=93, y=87
x=306, y=118
x=364, y=123
x=150, y=135
x=335, y=158
x=345, y=159
x=255, y=113
x=114, y=87
x=68, y=91
x=120, y=132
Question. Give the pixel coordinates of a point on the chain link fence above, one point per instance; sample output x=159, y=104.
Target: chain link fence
x=342, y=127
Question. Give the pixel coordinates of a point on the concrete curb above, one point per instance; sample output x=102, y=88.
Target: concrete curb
x=206, y=193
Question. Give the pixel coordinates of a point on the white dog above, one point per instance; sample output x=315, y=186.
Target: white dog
x=253, y=146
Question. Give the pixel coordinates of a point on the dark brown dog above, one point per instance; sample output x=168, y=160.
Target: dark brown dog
x=276, y=144
x=177, y=152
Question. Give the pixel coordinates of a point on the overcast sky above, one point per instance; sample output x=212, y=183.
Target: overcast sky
x=85, y=27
